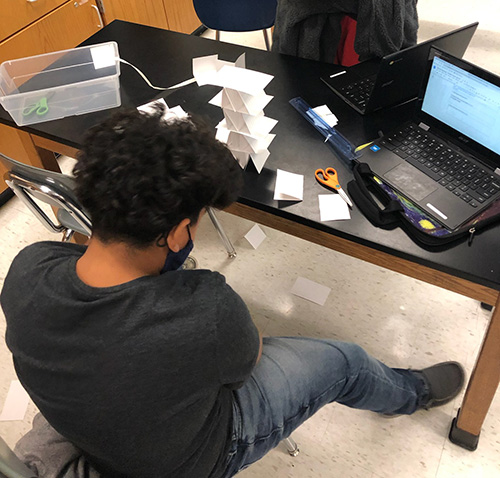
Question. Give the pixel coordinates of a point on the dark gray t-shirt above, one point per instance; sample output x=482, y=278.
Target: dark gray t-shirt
x=138, y=375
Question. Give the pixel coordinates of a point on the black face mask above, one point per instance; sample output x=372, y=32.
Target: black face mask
x=175, y=260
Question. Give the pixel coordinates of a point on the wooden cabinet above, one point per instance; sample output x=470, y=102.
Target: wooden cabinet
x=177, y=15
x=18, y=14
x=181, y=15
x=145, y=12
x=64, y=27
x=31, y=28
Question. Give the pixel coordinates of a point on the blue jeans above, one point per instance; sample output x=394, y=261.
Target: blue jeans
x=296, y=377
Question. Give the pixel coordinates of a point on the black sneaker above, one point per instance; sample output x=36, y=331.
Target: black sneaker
x=445, y=381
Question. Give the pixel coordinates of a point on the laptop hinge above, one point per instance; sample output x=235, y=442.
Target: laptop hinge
x=423, y=126
x=497, y=171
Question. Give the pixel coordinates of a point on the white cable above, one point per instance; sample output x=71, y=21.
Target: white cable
x=178, y=85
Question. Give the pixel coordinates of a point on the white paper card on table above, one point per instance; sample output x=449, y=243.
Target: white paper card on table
x=149, y=107
x=103, y=56
x=253, y=125
x=239, y=142
x=16, y=403
x=326, y=114
x=241, y=79
x=241, y=157
x=255, y=236
x=206, y=68
x=254, y=104
x=179, y=112
x=333, y=208
x=241, y=61
x=240, y=102
x=289, y=186
x=259, y=159
x=310, y=290
x=222, y=134
x=233, y=100
x=217, y=100
x=169, y=114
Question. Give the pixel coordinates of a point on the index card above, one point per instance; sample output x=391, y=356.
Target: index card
x=333, y=208
x=179, y=112
x=241, y=157
x=253, y=125
x=241, y=61
x=241, y=79
x=169, y=114
x=16, y=403
x=326, y=114
x=255, y=236
x=307, y=289
x=103, y=56
x=206, y=68
x=289, y=186
x=259, y=159
x=253, y=104
x=149, y=107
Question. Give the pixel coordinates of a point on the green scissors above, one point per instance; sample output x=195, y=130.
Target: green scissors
x=41, y=107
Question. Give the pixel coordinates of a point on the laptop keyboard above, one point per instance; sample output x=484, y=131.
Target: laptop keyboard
x=359, y=92
x=462, y=177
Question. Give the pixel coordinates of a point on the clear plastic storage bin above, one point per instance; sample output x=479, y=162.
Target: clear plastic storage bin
x=59, y=84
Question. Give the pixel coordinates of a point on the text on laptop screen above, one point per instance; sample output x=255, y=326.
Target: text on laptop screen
x=464, y=102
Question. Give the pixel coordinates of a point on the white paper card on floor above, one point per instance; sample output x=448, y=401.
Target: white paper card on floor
x=255, y=236
x=16, y=403
x=289, y=186
x=310, y=290
x=333, y=208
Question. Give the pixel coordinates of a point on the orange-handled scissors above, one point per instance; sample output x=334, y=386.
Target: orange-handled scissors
x=328, y=177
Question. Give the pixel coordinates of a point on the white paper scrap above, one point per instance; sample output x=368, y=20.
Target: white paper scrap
x=255, y=236
x=169, y=114
x=326, y=114
x=289, y=186
x=16, y=403
x=307, y=289
x=333, y=208
x=103, y=56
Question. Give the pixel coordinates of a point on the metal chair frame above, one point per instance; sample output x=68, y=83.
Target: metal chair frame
x=25, y=190
x=264, y=32
x=70, y=215
x=10, y=465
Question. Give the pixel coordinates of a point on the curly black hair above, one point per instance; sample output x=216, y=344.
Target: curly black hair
x=138, y=176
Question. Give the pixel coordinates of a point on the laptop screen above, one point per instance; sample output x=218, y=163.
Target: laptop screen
x=465, y=102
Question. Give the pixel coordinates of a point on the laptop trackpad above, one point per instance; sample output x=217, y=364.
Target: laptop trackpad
x=410, y=181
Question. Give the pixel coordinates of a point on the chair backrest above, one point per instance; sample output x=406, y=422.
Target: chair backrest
x=32, y=184
x=236, y=15
x=10, y=465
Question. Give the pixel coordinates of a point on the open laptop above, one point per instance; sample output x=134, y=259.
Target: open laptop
x=447, y=158
x=396, y=78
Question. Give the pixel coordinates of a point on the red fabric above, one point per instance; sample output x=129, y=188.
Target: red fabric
x=346, y=55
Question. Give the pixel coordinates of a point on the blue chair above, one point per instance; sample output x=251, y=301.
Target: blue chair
x=237, y=15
